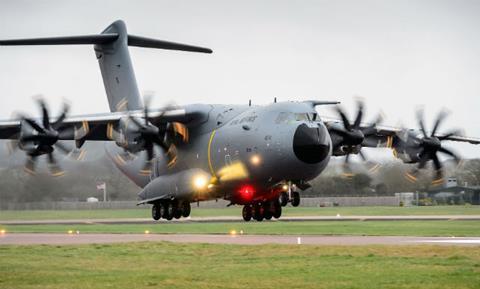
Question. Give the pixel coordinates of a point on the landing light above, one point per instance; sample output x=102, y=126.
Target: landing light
x=147, y=232
x=2, y=232
x=200, y=182
x=255, y=160
x=285, y=187
x=233, y=232
x=70, y=232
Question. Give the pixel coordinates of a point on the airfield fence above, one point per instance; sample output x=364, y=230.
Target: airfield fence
x=306, y=202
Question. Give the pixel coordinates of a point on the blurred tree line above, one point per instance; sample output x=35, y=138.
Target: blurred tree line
x=81, y=177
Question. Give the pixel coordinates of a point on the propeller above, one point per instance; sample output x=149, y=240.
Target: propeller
x=150, y=134
x=41, y=138
x=429, y=145
x=353, y=136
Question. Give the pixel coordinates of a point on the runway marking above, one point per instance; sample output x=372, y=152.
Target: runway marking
x=452, y=241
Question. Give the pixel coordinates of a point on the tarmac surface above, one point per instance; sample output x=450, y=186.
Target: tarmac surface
x=224, y=219
x=74, y=238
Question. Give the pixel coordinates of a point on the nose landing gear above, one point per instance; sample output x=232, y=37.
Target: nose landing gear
x=294, y=198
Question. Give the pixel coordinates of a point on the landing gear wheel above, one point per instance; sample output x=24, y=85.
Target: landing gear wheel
x=247, y=213
x=267, y=211
x=283, y=199
x=177, y=210
x=258, y=212
x=295, y=199
x=186, y=209
x=162, y=209
x=156, y=212
x=169, y=211
x=277, y=210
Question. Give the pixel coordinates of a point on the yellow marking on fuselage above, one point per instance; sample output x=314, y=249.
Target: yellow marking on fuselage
x=209, y=154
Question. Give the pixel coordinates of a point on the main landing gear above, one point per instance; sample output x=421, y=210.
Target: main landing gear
x=169, y=209
x=270, y=209
x=262, y=210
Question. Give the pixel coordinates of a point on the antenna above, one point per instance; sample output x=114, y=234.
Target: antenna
x=249, y=102
x=275, y=99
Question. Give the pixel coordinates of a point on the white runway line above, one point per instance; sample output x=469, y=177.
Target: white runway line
x=452, y=241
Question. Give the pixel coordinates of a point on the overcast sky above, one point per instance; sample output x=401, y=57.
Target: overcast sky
x=397, y=55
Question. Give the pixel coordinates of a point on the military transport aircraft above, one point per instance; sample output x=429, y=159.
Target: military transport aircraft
x=256, y=156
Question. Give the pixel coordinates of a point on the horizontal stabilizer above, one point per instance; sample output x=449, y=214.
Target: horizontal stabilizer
x=66, y=40
x=162, y=44
x=106, y=38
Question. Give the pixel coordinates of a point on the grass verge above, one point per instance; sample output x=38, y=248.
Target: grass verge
x=372, y=228
x=168, y=265
x=144, y=212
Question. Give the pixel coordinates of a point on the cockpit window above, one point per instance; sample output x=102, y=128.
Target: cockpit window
x=286, y=117
x=301, y=117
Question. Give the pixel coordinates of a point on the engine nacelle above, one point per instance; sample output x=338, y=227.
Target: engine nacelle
x=126, y=134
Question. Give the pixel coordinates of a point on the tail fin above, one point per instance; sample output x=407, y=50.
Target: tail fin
x=111, y=49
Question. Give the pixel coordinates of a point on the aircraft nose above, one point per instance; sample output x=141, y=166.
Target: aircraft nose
x=309, y=144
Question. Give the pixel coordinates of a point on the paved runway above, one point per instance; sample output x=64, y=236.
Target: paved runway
x=224, y=219
x=64, y=239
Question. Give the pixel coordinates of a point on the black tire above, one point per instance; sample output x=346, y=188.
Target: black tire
x=177, y=209
x=186, y=209
x=267, y=210
x=295, y=199
x=258, y=212
x=283, y=199
x=247, y=213
x=169, y=209
x=277, y=210
x=162, y=209
x=156, y=211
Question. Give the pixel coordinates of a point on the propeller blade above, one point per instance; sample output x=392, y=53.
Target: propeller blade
x=45, y=116
x=30, y=165
x=30, y=138
x=56, y=125
x=149, y=154
x=66, y=133
x=63, y=147
x=346, y=123
x=362, y=155
x=55, y=169
x=34, y=125
x=456, y=132
x=424, y=157
x=420, y=122
x=441, y=116
x=182, y=130
x=172, y=156
x=450, y=153
x=436, y=162
x=359, y=117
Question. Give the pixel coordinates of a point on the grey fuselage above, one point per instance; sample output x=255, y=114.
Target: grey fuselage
x=277, y=143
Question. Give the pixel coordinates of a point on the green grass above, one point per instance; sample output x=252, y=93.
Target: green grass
x=167, y=265
x=373, y=228
x=144, y=212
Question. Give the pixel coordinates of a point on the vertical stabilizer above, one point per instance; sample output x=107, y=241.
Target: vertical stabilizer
x=117, y=70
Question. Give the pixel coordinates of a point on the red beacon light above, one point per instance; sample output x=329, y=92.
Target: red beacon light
x=246, y=192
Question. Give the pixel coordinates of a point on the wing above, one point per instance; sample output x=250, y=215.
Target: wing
x=97, y=127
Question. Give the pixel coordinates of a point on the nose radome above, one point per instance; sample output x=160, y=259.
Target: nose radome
x=307, y=145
